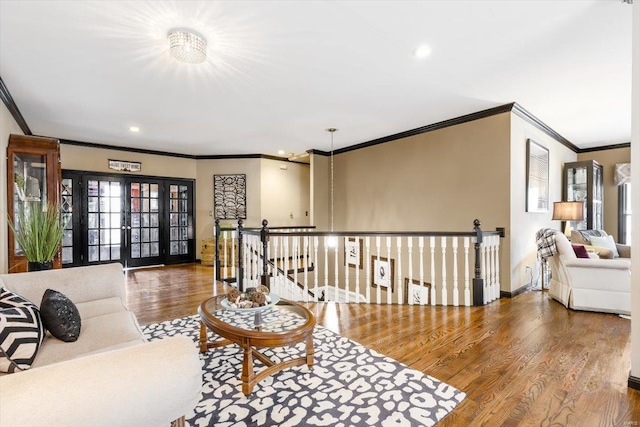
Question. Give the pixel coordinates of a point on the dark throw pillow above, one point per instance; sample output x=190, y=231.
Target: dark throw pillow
x=581, y=251
x=21, y=332
x=60, y=316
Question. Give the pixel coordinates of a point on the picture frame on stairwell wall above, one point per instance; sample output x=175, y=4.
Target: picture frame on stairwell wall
x=416, y=293
x=382, y=272
x=537, y=191
x=353, y=253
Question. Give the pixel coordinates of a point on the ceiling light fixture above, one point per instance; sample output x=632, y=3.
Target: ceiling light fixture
x=187, y=46
x=422, y=52
x=332, y=241
x=134, y=128
x=281, y=152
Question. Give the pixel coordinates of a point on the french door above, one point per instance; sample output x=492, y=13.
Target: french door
x=134, y=220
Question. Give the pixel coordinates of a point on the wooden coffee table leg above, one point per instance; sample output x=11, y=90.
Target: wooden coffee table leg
x=247, y=371
x=203, y=338
x=310, y=350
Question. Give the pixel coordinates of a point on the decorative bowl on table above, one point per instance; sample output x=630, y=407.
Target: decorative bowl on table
x=252, y=300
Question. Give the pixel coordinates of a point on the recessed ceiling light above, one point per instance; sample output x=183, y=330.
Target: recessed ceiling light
x=281, y=152
x=422, y=52
x=134, y=128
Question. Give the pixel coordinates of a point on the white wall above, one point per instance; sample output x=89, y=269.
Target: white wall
x=524, y=224
x=635, y=171
x=7, y=126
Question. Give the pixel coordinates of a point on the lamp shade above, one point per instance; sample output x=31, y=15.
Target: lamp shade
x=568, y=211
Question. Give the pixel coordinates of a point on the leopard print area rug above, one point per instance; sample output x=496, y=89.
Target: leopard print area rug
x=349, y=385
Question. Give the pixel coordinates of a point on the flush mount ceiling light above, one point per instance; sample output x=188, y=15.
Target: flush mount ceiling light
x=187, y=46
x=134, y=128
x=422, y=52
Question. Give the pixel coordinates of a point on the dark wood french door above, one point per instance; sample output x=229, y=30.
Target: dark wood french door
x=138, y=221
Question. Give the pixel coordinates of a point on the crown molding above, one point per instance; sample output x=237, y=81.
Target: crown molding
x=605, y=147
x=513, y=107
x=118, y=148
x=13, y=108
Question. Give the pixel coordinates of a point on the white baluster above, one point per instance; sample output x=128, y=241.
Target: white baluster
x=388, y=241
x=336, y=272
x=378, y=295
x=276, y=270
x=467, y=291
x=346, y=271
x=421, y=250
x=296, y=262
x=410, y=255
x=305, y=254
x=443, y=245
x=399, y=272
x=485, y=276
x=456, y=297
x=367, y=266
x=357, y=272
x=223, y=266
x=497, y=267
x=432, y=244
x=234, y=243
x=316, y=283
x=326, y=268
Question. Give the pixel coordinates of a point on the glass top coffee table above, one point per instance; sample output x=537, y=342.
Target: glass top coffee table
x=285, y=323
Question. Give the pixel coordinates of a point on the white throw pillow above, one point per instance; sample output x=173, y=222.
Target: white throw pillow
x=606, y=242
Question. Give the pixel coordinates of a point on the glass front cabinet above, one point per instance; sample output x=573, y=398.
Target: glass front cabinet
x=583, y=182
x=33, y=180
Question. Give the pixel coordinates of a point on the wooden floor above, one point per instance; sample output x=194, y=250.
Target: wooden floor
x=525, y=361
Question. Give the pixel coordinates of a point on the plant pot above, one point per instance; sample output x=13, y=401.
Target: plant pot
x=38, y=266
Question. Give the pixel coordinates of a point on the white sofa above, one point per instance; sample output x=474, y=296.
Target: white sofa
x=602, y=285
x=111, y=376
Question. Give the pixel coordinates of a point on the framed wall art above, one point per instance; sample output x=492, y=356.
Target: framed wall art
x=382, y=272
x=230, y=196
x=353, y=253
x=537, y=177
x=415, y=293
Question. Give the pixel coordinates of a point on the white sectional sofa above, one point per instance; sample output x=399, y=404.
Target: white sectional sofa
x=110, y=376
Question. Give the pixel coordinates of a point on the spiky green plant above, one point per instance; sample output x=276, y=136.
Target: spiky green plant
x=39, y=230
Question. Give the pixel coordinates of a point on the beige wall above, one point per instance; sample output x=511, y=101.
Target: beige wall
x=319, y=182
x=436, y=181
x=97, y=160
x=7, y=126
x=204, y=193
x=285, y=193
x=524, y=225
x=608, y=160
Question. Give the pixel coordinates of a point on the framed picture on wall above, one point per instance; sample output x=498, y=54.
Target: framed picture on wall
x=415, y=293
x=537, y=199
x=353, y=253
x=230, y=196
x=382, y=272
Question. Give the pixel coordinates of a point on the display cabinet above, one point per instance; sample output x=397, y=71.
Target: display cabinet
x=33, y=179
x=583, y=182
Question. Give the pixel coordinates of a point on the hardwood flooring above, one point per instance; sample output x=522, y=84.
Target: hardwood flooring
x=525, y=361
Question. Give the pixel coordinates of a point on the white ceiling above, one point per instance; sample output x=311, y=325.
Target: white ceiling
x=279, y=72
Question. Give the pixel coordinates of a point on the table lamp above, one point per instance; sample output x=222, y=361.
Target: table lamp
x=568, y=211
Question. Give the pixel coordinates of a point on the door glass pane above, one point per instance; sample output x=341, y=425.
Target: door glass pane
x=144, y=225
x=105, y=225
x=67, y=212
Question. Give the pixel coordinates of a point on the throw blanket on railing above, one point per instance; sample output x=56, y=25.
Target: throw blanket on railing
x=546, y=241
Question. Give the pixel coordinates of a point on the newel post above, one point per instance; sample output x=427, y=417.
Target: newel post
x=216, y=263
x=240, y=274
x=478, y=282
x=264, y=238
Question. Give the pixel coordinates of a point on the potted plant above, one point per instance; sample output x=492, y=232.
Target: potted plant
x=38, y=230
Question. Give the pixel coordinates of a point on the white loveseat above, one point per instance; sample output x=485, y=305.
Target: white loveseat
x=111, y=376
x=602, y=285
